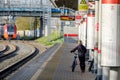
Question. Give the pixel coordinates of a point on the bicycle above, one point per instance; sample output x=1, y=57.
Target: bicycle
x=74, y=64
x=90, y=69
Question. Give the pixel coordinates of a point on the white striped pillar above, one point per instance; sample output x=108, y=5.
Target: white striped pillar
x=80, y=30
x=84, y=31
x=111, y=37
x=90, y=32
x=90, y=29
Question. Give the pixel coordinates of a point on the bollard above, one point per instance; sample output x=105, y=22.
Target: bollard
x=114, y=73
x=105, y=73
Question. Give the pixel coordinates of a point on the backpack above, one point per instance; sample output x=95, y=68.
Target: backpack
x=84, y=49
x=81, y=50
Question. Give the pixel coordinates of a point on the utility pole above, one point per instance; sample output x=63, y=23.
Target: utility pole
x=35, y=27
x=41, y=23
x=30, y=26
x=41, y=26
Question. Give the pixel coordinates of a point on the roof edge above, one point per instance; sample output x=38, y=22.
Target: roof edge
x=54, y=4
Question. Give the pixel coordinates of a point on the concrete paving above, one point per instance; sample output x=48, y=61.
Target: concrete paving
x=59, y=67
x=63, y=71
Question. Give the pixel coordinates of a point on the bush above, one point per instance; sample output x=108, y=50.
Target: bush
x=53, y=39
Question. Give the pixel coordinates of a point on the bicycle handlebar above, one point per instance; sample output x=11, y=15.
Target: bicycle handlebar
x=75, y=53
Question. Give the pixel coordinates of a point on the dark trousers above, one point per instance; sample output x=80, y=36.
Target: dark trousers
x=82, y=62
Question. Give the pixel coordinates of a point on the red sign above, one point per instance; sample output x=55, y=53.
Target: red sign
x=110, y=1
x=71, y=35
x=78, y=17
x=67, y=18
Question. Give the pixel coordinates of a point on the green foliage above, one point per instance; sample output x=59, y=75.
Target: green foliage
x=55, y=38
x=23, y=23
x=73, y=4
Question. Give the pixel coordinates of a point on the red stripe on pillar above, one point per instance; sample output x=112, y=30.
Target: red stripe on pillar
x=95, y=48
x=110, y=1
x=71, y=35
x=91, y=15
x=99, y=51
x=97, y=27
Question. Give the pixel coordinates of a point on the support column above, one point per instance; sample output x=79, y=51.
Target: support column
x=90, y=31
x=111, y=37
x=96, y=36
x=41, y=26
x=99, y=70
x=31, y=26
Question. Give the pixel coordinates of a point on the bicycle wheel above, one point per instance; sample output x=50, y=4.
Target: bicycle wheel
x=73, y=68
x=74, y=65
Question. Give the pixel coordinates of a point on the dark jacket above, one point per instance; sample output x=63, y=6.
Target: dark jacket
x=81, y=50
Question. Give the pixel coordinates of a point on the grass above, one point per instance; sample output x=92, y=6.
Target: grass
x=54, y=38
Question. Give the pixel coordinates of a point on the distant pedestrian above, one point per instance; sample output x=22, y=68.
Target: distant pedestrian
x=81, y=54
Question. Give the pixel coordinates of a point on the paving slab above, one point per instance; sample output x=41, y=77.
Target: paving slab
x=59, y=67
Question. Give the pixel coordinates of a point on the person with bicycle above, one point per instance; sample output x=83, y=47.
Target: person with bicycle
x=81, y=54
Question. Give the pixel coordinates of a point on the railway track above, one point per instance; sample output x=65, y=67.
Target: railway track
x=25, y=61
x=33, y=68
x=15, y=55
x=10, y=48
x=3, y=48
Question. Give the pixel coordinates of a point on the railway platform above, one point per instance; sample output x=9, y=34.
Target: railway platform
x=59, y=67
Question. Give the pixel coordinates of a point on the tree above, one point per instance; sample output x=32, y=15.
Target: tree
x=73, y=4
